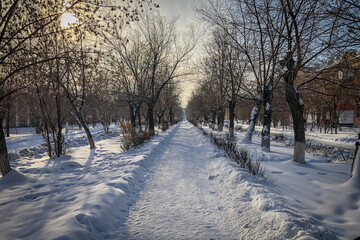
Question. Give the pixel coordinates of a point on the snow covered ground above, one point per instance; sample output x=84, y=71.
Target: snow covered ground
x=194, y=192
x=77, y=196
x=319, y=188
x=344, y=139
x=21, y=138
x=178, y=185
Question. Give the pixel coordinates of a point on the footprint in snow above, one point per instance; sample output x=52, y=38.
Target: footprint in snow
x=354, y=207
x=318, y=217
x=212, y=177
x=37, y=186
x=339, y=211
x=66, y=199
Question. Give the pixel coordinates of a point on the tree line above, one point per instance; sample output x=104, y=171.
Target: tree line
x=271, y=54
x=116, y=57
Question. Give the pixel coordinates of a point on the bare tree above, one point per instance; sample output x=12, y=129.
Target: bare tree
x=130, y=66
x=258, y=36
x=21, y=21
x=227, y=65
x=310, y=32
x=166, y=54
x=348, y=12
x=81, y=65
x=167, y=104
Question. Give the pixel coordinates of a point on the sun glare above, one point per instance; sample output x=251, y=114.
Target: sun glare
x=67, y=19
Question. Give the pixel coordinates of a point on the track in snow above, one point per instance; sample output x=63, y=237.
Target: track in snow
x=193, y=192
x=178, y=200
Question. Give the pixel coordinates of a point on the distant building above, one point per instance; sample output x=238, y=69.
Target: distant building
x=337, y=91
x=18, y=113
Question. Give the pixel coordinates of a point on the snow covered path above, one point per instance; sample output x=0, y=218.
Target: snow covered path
x=179, y=199
x=176, y=186
x=194, y=192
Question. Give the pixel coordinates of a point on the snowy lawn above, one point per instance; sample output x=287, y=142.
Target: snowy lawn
x=77, y=196
x=178, y=185
x=194, y=192
x=343, y=139
x=319, y=188
x=21, y=138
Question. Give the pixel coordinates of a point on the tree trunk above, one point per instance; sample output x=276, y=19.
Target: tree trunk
x=355, y=166
x=151, y=119
x=324, y=120
x=335, y=116
x=37, y=125
x=213, y=117
x=80, y=118
x=8, y=108
x=86, y=129
x=139, y=118
x=253, y=118
x=221, y=118
x=265, y=134
x=170, y=116
x=132, y=116
x=59, y=139
x=46, y=136
x=4, y=157
x=297, y=111
x=159, y=117
x=232, y=117
x=355, y=170
x=45, y=127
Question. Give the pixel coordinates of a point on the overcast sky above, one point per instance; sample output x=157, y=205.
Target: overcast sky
x=184, y=9
x=181, y=8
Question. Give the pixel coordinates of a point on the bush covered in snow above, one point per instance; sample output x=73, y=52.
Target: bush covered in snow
x=333, y=154
x=240, y=156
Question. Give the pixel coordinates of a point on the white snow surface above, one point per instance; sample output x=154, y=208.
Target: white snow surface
x=194, y=192
x=25, y=137
x=319, y=189
x=77, y=196
x=343, y=139
x=177, y=186
x=268, y=106
x=301, y=101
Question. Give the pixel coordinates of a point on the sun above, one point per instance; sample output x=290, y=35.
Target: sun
x=67, y=19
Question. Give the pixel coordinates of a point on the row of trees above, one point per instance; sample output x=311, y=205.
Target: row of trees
x=261, y=52
x=92, y=67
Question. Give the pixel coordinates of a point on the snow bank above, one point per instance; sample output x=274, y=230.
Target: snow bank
x=79, y=195
x=13, y=178
x=34, y=158
x=354, y=181
x=319, y=189
x=257, y=210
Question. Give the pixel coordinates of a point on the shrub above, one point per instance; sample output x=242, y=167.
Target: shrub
x=175, y=121
x=193, y=122
x=132, y=138
x=165, y=125
x=240, y=156
x=279, y=137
